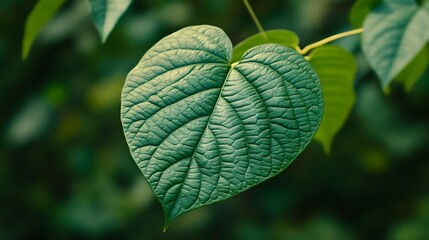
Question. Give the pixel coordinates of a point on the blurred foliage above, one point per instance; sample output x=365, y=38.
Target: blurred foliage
x=36, y=20
x=66, y=172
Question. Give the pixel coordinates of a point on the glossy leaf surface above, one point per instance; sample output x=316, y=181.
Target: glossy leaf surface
x=202, y=129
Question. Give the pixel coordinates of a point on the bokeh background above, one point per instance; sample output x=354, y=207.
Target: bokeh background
x=65, y=168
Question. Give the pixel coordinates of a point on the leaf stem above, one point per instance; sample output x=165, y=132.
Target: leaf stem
x=255, y=19
x=308, y=48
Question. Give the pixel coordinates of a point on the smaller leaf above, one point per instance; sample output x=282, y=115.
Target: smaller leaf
x=106, y=13
x=360, y=10
x=395, y=33
x=42, y=12
x=415, y=69
x=282, y=37
x=336, y=69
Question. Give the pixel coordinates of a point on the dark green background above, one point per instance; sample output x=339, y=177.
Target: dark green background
x=65, y=169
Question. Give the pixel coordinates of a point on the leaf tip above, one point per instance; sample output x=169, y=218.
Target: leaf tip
x=103, y=39
x=24, y=54
x=167, y=223
x=327, y=147
x=324, y=142
x=386, y=90
x=168, y=219
x=101, y=34
x=26, y=47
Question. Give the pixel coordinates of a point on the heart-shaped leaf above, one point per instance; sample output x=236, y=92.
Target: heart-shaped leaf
x=202, y=130
x=106, y=13
x=395, y=32
x=336, y=69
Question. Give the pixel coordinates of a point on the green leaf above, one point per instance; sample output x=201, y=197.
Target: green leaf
x=42, y=12
x=336, y=69
x=282, y=37
x=414, y=70
x=394, y=34
x=360, y=10
x=106, y=13
x=202, y=130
